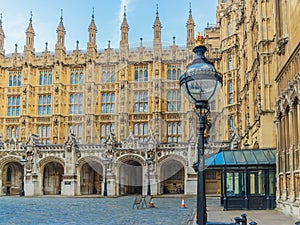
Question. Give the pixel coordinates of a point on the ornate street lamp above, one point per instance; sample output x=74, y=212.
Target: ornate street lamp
x=23, y=162
x=201, y=83
x=148, y=161
x=106, y=162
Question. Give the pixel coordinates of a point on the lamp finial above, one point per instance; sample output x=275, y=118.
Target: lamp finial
x=199, y=39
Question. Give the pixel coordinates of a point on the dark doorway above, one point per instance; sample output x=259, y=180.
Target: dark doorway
x=130, y=178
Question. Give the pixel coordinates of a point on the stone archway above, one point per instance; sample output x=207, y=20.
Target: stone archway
x=12, y=178
x=91, y=178
x=52, y=177
x=172, y=177
x=130, y=176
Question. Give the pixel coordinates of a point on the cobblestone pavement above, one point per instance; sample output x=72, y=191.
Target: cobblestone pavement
x=216, y=213
x=106, y=211
x=261, y=217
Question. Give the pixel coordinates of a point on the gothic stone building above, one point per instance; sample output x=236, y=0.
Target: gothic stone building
x=89, y=119
x=259, y=59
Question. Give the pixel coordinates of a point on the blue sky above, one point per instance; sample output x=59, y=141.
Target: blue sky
x=77, y=14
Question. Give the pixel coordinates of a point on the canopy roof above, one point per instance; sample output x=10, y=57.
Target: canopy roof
x=242, y=158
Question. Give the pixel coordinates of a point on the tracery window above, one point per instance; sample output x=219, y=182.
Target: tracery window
x=230, y=92
x=44, y=132
x=12, y=132
x=229, y=28
x=108, y=102
x=13, y=108
x=141, y=73
x=140, y=101
x=174, y=72
x=231, y=122
x=45, y=77
x=108, y=75
x=141, y=131
x=44, y=105
x=76, y=76
x=174, y=132
x=76, y=103
x=174, y=101
x=15, y=78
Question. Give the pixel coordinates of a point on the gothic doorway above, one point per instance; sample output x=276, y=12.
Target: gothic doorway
x=12, y=178
x=91, y=177
x=53, y=173
x=130, y=178
x=172, y=177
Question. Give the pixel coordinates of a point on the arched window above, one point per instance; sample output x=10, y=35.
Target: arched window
x=71, y=103
x=72, y=78
x=50, y=79
x=108, y=78
x=174, y=74
x=17, y=132
x=49, y=105
x=10, y=80
x=80, y=104
x=178, y=72
x=81, y=78
x=103, y=77
x=41, y=79
x=19, y=80
x=136, y=75
x=76, y=78
x=8, y=134
x=15, y=80
x=229, y=29
x=113, y=77
x=45, y=79
x=146, y=75
x=169, y=74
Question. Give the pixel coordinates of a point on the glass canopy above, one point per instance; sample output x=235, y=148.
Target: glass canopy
x=242, y=157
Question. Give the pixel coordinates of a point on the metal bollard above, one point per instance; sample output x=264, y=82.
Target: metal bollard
x=253, y=223
x=238, y=220
x=244, y=219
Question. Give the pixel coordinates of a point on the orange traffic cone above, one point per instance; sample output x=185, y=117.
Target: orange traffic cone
x=182, y=202
x=151, y=204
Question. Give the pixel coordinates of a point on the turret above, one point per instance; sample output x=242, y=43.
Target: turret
x=124, y=30
x=29, y=46
x=157, y=30
x=92, y=47
x=60, y=44
x=190, y=24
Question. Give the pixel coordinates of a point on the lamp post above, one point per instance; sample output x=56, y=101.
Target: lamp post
x=106, y=162
x=23, y=161
x=200, y=83
x=148, y=161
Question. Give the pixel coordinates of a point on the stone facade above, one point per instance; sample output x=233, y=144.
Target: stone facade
x=85, y=116
x=287, y=115
x=259, y=60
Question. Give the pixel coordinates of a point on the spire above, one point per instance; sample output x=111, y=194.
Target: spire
x=2, y=36
x=190, y=25
x=30, y=28
x=157, y=27
x=60, y=33
x=29, y=36
x=92, y=28
x=124, y=30
x=92, y=47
